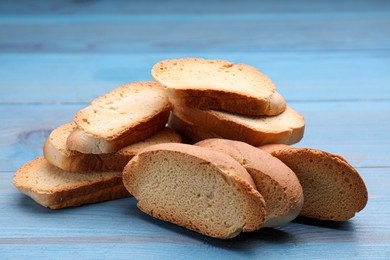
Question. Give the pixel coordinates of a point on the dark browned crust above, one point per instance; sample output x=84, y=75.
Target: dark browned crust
x=54, y=198
x=336, y=194
x=140, y=132
x=274, y=180
x=133, y=177
x=80, y=162
x=225, y=101
x=207, y=124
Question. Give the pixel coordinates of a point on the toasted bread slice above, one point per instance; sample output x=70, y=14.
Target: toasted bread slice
x=190, y=132
x=194, y=187
x=126, y=115
x=219, y=85
x=287, y=128
x=332, y=188
x=54, y=188
x=276, y=182
x=57, y=153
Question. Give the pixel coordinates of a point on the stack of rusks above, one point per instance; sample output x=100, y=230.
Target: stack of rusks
x=205, y=146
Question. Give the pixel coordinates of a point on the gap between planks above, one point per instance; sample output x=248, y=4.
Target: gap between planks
x=172, y=17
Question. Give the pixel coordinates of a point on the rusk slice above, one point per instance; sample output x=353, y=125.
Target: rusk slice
x=219, y=85
x=197, y=188
x=54, y=188
x=333, y=189
x=57, y=153
x=287, y=128
x=276, y=182
x=126, y=115
x=190, y=133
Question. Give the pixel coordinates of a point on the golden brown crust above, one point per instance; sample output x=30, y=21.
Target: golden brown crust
x=126, y=115
x=79, y=162
x=220, y=85
x=57, y=153
x=226, y=101
x=219, y=159
x=274, y=180
x=93, y=121
x=82, y=142
x=233, y=174
x=332, y=188
x=71, y=191
x=190, y=132
x=210, y=124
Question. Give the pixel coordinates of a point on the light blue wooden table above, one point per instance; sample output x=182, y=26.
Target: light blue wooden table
x=330, y=59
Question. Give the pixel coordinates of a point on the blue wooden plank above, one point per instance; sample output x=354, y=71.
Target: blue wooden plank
x=356, y=130
x=112, y=251
x=25, y=129
x=298, y=76
x=210, y=17
x=281, y=34
x=27, y=7
x=117, y=229
x=314, y=251
x=330, y=59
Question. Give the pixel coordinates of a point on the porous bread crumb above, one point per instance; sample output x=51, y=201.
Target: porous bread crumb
x=196, y=188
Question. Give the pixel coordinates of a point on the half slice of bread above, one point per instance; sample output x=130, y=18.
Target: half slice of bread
x=126, y=115
x=54, y=188
x=287, y=128
x=276, y=182
x=332, y=188
x=194, y=187
x=57, y=153
x=219, y=85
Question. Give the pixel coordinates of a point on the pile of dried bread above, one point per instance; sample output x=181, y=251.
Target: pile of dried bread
x=235, y=172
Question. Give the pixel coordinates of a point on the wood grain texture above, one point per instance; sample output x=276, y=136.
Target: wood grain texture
x=118, y=229
x=73, y=78
x=156, y=35
x=147, y=26
x=356, y=130
x=84, y=7
x=330, y=59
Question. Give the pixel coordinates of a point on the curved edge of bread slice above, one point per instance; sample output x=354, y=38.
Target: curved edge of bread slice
x=332, y=188
x=196, y=125
x=194, y=187
x=57, y=153
x=126, y=115
x=277, y=183
x=219, y=85
x=54, y=188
